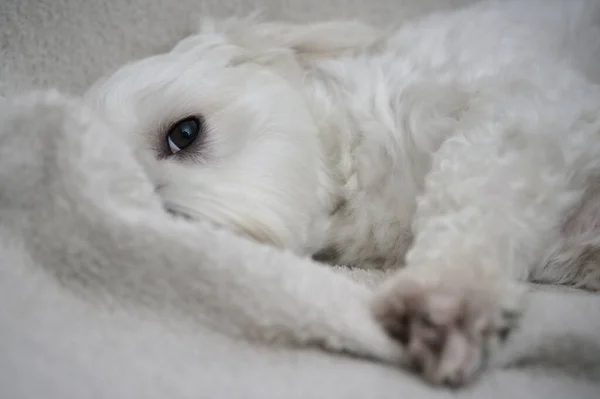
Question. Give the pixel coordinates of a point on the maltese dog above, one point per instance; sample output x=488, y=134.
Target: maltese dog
x=462, y=149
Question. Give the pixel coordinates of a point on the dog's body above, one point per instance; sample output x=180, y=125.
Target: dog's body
x=464, y=146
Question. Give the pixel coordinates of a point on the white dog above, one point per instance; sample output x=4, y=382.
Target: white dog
x=464, y=147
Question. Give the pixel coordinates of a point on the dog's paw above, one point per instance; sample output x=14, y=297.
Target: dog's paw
x=448, y=332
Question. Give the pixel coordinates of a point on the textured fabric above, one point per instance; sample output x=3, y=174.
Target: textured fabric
x=54, y=346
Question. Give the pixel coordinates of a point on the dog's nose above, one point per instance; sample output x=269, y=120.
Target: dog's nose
x=176, y=213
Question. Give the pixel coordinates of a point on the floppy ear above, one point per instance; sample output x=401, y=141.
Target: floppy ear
x=261, y=41
x=316, y=40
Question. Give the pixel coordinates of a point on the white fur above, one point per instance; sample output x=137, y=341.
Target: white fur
x=82, y=215
x=458, y=146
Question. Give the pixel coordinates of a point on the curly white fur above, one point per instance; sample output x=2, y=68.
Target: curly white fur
x=464, y=146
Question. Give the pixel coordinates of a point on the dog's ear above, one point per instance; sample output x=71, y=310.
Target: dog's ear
x=264, y=41
x=315, y=40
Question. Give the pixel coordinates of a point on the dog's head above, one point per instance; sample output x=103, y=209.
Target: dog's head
x=223, y=128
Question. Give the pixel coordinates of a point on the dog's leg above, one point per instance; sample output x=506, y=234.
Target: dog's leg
x=88, y=215
x=574, y=256
x=492, y=200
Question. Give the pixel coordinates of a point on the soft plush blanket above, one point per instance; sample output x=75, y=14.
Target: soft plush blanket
x=58, y=342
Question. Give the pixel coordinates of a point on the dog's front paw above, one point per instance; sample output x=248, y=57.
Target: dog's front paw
x=448, y=331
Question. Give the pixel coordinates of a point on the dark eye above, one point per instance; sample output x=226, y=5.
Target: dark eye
x=183, y=133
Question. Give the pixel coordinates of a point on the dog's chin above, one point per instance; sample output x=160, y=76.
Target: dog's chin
x=259, y=233
x=261, y=224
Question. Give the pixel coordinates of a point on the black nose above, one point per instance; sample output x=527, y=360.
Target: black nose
x=176, y=213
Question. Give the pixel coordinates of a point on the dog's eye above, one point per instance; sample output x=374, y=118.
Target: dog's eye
x=183, y=133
